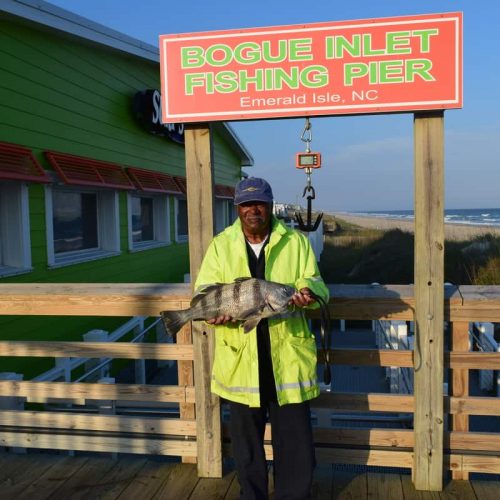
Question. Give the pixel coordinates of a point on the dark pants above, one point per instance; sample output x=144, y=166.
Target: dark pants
x=293, y=450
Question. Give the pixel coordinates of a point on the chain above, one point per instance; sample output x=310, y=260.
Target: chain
x=307, y=135
x=307, y=138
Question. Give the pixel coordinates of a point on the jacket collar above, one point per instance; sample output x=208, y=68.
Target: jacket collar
x=278, y=229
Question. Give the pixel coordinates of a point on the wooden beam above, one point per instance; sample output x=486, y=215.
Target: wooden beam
x=404, y=358
x=397, y=302
x=429, y=300
x=345, y=401
x=116, y=350
x=77, y=442
x=381, y=458
x=183, y=352
x=185, y=376
x=200, y=201
x=104, y=423
x=460, y=382
x=44, y=391
x=92, y=299
x=369, y=357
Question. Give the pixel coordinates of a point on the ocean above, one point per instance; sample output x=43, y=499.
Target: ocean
x=474, y=216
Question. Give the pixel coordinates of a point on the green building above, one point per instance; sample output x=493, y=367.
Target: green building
x=92, y=184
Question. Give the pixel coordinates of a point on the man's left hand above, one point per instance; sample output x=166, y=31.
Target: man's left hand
x=302, y=298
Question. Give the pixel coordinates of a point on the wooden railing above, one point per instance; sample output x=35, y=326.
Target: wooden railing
x=464, y=451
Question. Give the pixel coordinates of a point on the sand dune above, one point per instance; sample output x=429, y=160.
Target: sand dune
x=457, y=232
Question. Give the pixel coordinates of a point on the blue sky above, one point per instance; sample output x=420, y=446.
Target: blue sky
x=367, y=160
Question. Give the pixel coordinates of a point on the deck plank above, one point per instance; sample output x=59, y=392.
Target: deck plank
x=486, y=490
x=43, y=476
x=43, y=486
x=85, y=480
x=459, y=489
x=213, y=488
x=233, y=492
x=410, y=493
x=118, y=478
x=322, y=482
x=180, y=483
x=16, y=476
x=148, y=480
x=386, y=486
x=349, y=485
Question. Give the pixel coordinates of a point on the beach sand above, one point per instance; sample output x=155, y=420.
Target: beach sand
x=455, y=232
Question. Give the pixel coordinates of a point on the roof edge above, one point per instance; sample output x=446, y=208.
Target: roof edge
x=46, y=14
x=228, y=133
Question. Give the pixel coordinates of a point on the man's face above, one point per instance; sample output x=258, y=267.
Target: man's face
x=255, y=216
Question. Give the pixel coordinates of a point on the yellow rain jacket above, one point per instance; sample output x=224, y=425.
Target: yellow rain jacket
x=289, y=260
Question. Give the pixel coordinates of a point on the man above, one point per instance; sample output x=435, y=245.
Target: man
x=271, y=371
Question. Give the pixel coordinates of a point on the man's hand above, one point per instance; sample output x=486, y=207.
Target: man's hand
x=302, y=298
x=220, y=320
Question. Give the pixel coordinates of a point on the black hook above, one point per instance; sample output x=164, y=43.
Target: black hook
x=309, y=227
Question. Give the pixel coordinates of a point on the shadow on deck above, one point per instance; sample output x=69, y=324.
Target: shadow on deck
x=40, y=476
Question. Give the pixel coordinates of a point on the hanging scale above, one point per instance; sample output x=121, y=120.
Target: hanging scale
x=307, y=161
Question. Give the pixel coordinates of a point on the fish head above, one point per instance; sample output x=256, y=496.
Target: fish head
x=279, y=296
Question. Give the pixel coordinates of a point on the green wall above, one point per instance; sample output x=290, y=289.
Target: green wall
x=64, y=94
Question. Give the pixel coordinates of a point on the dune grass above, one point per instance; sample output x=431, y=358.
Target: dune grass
x=356, y=255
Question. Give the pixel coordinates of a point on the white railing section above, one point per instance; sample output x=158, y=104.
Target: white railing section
x=97, y=369
x=483, y=335
x=394, y=335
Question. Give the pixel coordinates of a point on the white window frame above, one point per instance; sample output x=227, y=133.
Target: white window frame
x=15, y=242
x=108, y=228
x=226, y=216
x=161, y=222
x=179, y=238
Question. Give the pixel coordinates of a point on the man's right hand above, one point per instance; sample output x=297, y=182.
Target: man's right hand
x=220, y=320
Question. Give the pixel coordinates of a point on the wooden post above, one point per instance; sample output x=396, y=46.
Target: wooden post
x=429, y=300
x=460, y=382
x=185, y=374
x=200, y=202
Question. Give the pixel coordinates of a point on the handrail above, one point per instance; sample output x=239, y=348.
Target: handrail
x=462, y=303
x=478, y=452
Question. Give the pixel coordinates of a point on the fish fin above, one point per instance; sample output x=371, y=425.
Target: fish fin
x=174, y=320
x=239, y=280
x=251, y=323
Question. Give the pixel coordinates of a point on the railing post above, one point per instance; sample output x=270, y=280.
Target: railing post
x=429, y=300
x=185, y=376
x=460, y=382
x=200, y=203
x=12, y=402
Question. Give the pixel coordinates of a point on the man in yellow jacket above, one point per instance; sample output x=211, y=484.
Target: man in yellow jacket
x=271, y=371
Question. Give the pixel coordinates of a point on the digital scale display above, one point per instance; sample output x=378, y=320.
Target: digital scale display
x=308, y=160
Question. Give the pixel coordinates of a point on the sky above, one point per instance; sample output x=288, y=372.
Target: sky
x=367, y=161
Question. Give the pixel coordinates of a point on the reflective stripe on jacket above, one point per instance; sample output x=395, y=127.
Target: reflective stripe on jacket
x=289, y=260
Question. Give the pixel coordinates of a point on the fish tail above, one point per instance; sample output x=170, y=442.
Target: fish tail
x=174, y=320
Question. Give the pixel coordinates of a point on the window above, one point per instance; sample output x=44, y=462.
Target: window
x=224, y=214
x=181, y=220
x=148, y=221
x=15, y=245
x=82, y=225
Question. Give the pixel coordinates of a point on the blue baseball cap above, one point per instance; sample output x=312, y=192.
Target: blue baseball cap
x=253, y=189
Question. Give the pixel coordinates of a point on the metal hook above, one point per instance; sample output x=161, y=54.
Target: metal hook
x=310, y=226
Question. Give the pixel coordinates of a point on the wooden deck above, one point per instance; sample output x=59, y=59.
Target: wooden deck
x=40, y=476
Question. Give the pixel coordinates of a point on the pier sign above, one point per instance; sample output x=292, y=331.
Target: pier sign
x=367, y=66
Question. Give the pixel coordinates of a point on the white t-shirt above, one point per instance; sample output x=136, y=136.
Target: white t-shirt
x=257, y=247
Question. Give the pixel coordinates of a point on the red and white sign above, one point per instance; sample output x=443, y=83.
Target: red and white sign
x=369, y=66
